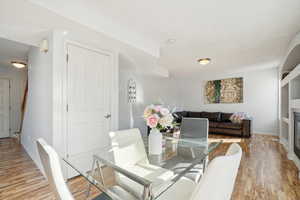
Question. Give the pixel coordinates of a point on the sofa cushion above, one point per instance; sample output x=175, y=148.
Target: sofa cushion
x=229, y=125
x=178, y=116
x=195, y=114
x=225, y=117
x=183, y=113
x=212, y=116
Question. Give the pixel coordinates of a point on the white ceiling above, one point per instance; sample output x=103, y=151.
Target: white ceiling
x=10, y=50
x=234, y=33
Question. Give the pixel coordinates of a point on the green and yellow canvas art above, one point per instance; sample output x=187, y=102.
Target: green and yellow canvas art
x=224, y=91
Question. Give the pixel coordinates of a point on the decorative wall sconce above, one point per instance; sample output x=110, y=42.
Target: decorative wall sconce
x=131, y=91
x=44, y=47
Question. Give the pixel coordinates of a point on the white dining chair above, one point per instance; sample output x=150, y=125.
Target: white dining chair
x=130, y=154
x=51, y=164
x=217, y=183
x=218, y=180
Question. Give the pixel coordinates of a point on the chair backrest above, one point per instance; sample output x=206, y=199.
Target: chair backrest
x=218, y=180
x=128, y=147
x=52, y=168
x=194, y=128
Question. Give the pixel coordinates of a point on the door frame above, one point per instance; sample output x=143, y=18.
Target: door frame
x=9, y=103
x=60, y=67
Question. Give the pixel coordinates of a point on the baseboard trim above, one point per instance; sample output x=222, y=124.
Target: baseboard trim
x=285, y=144
x=264, y=133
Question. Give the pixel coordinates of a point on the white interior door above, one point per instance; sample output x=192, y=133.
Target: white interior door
x=4, y=108
x=89, y=94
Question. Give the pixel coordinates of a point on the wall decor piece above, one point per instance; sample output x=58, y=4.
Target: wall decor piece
x=224, y=91
x=131, y=91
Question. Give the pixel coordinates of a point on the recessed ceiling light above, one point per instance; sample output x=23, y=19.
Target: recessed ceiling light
x=18, y=64
x=171, y=41
x=204, y=61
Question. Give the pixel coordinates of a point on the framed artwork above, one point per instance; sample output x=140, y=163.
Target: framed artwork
x=228, y=90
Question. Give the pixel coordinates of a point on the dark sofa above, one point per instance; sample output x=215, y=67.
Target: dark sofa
x=219, y=123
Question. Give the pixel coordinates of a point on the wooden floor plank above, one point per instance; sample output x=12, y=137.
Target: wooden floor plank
x=265, y=172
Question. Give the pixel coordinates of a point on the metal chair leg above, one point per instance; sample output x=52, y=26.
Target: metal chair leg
x=92, y=174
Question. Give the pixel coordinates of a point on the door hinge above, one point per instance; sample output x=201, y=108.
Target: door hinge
x=67, y=107
x=67, y=57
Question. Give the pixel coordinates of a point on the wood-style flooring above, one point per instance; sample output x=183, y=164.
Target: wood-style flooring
x=265, y=172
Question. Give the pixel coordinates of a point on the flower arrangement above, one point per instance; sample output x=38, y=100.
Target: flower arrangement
x=158, y=117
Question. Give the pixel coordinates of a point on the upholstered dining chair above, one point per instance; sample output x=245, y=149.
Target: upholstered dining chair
x=130, y=154
x=193, y=128
x=217, y=183
x=52, y=169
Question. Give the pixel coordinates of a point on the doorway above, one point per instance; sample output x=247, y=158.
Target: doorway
x=4, y=108
x=13, y=80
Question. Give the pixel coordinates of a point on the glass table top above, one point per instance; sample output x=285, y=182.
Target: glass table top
x=148, y=178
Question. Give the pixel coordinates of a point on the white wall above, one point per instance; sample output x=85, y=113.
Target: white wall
x=17, y=78
x=260, y=98
x=38, y=115
x=151, y=88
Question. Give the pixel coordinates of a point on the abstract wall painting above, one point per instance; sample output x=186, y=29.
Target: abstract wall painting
x=224, y=91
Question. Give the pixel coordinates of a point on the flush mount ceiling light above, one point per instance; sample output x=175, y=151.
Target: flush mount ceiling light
x=204, y=61
x=170, y=41
x=18, y=64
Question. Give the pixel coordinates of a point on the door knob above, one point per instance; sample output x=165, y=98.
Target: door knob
x=107, y=116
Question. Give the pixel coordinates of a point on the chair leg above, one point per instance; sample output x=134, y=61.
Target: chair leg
x=205, y=162
x=92, y=174
x=101, y=174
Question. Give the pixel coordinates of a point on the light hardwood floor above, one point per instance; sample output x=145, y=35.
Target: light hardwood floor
x=265, y=172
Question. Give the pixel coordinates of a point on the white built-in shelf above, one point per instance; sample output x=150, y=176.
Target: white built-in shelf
x=295, y=103
x=285, y=102
x=292, y=75
x=290, y=100
x=295, y=88
x=286, y=120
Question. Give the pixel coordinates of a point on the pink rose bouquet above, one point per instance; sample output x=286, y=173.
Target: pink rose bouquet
x=157, y=116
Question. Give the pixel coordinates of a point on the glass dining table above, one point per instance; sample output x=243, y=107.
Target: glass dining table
x=180, y=157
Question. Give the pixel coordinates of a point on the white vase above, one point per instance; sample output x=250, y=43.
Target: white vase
x=155, y=142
